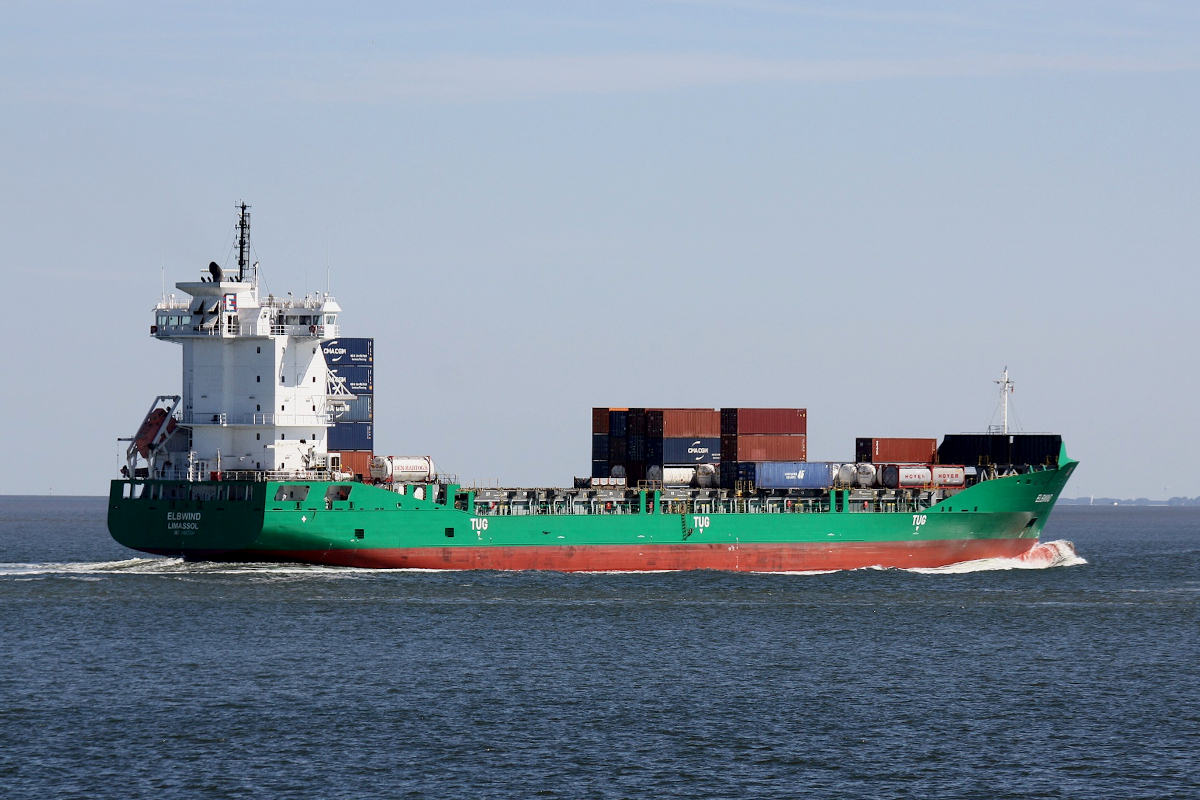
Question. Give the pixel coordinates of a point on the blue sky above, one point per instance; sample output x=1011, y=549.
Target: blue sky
x=865, y=209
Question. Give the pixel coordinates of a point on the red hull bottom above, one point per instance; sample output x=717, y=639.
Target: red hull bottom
x=763, y=557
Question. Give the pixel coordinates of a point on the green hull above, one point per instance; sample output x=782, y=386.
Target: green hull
x=376, y=527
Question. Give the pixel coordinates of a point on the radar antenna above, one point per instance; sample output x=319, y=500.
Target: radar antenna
x=245, y=268
x=1006, y=388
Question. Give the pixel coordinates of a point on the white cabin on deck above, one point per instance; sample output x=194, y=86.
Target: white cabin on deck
x=256, y=389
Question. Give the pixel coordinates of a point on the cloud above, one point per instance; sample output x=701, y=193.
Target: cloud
x=284, y=77
x=471, y=78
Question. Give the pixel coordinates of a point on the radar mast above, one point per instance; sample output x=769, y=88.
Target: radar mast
x=246, y=269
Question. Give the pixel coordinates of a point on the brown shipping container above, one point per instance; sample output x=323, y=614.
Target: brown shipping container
x=903, y=451
x=767, y=421
x=760, y=447
x=697, y=422
x=357, y=461
x=599, y=420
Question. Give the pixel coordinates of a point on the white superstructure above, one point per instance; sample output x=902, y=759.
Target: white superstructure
x=256, y=389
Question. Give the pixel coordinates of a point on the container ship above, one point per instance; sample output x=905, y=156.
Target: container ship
x=268, y=454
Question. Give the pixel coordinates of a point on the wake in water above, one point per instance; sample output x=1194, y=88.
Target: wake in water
x=167, y=566
x=1044, y=555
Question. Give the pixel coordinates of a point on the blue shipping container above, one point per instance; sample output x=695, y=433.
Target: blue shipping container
x=691, y=451
x=359, y=379
x=599, y=449
x=340, y=352
x=793, y=475
x=618, y=423
x=351, y=436
x=360, y=409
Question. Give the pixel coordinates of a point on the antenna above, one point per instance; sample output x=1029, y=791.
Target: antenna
x=245, y=268
x=1006, y=388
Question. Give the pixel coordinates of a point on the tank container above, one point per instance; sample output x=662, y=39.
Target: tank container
x=678, y=476
x=900, y=476
x=941, y=475
x=405, y=469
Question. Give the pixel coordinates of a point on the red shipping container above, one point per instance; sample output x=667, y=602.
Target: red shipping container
x=761, y=447
x=357, y=461
x=765, y=421
x=599, y=420
x=701, y=423
x=903, y=451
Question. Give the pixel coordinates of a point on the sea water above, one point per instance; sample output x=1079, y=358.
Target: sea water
x=128, y=677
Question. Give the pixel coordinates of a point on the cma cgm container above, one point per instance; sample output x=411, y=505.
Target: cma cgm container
x=360, y=409
x=793, y=475
x=681, y=451
x=740, y=421
x=359, y=379
x=346, y=352
x=351, y=436
x=764, y=448
x=895, y=451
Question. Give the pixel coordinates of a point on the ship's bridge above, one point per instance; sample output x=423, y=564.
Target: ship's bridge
x=233, y=308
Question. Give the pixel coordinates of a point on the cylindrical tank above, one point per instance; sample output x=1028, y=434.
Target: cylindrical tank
x=678, y=476
x=913, y=476
x=654, y=473
x=404, y=469
x=948, y=476
x=618, y=471
x=864, y=475
x=889, y=476
x=706, y=476
x=846, y=474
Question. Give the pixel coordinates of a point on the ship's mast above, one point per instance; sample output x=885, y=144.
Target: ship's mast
x=1006, y=388
x=245, y=268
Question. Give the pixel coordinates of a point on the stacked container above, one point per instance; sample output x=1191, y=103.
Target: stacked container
x=352, y=362
x=752, y=436
x=640, y=443
x=974, y=449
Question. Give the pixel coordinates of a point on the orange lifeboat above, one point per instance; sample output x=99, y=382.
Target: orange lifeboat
x=145, y=435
